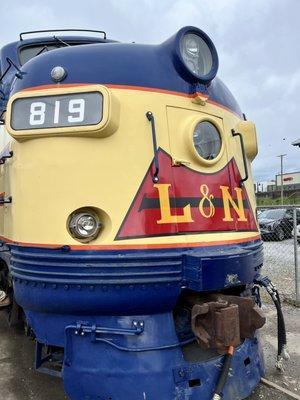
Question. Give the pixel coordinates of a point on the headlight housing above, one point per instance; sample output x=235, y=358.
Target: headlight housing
x=84, y=225
x=197, y=55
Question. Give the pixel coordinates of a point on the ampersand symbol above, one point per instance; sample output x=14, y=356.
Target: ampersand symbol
x=206, y=206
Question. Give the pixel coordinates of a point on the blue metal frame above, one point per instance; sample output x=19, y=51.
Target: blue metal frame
x=151, y=365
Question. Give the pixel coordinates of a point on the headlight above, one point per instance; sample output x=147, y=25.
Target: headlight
x=84, y=225
x=198, y=54
x=207, y=140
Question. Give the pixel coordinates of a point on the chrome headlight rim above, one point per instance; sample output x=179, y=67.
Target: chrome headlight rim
x=184, y=69
x=76, y=232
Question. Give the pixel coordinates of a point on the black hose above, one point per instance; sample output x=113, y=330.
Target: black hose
x=281, y=331
x=224, y=374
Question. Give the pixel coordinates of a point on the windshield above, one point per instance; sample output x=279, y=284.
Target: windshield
x=28, y=52
x=272, y=214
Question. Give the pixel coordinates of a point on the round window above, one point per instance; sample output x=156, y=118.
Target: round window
x=207, y=140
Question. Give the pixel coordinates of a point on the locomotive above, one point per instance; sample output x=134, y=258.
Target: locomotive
x=129, y=242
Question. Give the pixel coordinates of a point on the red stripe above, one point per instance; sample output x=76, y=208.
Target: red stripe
x=133, y=246
x=128, y=87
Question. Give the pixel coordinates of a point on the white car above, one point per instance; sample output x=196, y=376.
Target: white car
x=298, y=233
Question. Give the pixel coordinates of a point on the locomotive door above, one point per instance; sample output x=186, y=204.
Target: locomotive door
x=202, y=187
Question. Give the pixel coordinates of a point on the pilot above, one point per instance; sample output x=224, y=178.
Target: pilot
x=4, y=299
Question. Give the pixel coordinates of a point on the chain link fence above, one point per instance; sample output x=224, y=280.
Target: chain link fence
x=280, y=231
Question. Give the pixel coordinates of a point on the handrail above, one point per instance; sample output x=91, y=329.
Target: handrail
x=61, y=30
x=150, y=118
x=244, y=156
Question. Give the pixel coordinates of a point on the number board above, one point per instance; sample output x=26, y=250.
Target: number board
x=57, y=111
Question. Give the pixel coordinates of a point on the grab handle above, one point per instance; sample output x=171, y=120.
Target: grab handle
x=93, y=332
x=244, y=156
x=150, y=118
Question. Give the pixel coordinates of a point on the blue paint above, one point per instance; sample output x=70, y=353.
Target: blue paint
x=149, y=365
x=101, y=293
x=142, y=281
x=151, y=66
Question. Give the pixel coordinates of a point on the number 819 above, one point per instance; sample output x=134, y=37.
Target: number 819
x=38, y=112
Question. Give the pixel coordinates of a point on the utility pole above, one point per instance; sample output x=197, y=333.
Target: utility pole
x=281, y=174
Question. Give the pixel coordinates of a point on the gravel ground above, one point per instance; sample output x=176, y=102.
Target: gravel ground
x=290, y=378
x=19, y=381
x=279, y=265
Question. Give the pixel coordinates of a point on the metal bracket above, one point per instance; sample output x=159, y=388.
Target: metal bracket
x=82, y=330
x=2, y=121
x=4, y=158
x=5, y=200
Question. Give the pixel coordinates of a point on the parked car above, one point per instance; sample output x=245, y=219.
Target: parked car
x=277, y=223
x=298, y=233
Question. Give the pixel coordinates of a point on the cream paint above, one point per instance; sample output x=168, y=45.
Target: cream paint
x=49, y=177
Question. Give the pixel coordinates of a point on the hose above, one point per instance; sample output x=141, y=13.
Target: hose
x=282, y=353
x=224, y=374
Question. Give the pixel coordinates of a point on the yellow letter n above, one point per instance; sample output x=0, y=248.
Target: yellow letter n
x=228, y=201
x=165, y=207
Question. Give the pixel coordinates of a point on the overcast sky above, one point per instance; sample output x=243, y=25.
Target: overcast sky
x=258, y=42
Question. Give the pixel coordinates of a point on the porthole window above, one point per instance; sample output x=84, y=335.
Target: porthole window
x=207, y=140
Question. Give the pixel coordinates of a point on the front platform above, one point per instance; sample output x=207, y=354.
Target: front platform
x=141, y=358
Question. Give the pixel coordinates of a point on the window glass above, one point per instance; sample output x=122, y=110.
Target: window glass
x=28, y=52
x=207, y=140
x=272, y=214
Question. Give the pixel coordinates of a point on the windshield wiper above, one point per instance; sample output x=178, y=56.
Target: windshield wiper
x=42, y=50
x=61, y=41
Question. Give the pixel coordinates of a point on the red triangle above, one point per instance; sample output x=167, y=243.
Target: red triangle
x=186, y=189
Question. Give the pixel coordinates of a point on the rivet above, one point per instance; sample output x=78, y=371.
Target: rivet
x=79, y=287
x=92, y=288
x=66, y=287
x=54, y=286
x=104, y=288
